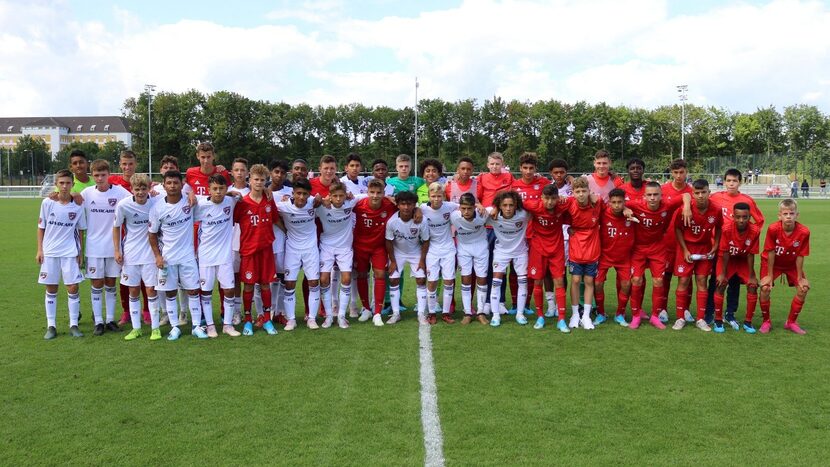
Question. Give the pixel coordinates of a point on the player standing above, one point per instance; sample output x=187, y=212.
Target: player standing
x=462, y=182
x=487, y=186
x=336, y=241
x=407, y=243
x=471, y=237
x=671, y=190
x=617, y=242
x=197, y=177
x=440, y=259
x=635, y=188
x=509, y=224
x=738, y=247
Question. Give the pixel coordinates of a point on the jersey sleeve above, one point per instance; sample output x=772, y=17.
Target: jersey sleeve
x=754, y=241
x=769, y=241
x=424, y=232
x=186, y=189
x=756, y=213
x=804, y=248
x=153, y=224
x=81, y=225
x=390, y=230
x=43, y=217
x=119, y=215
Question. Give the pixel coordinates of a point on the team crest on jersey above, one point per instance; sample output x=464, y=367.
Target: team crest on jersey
x=519, y=225
x=663, y=214
x=711, y=219
x=248, y=275
x=533, y=270
x=227, y=210
x=536, y=186
x=125, y=277
x=267, y=209
x=681, y=268
x=72, y=216
x=92, y=270
x=311, y=212
x=43, y=275
x=796, y=243
x=347, y=211
x=747, y=242
x=628, y=223
x=413, y=230
x=383, y=214
x=112, y=201
x=186, y=209
x=446, y=216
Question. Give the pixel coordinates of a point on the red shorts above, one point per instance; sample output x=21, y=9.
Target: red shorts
x=736, y=267
x=538, y=265
x=258, y=267
x=791, y=274
x=670, y=252
x=642, y=260
x=701, y=267
x=376, y=258
x=623, y=271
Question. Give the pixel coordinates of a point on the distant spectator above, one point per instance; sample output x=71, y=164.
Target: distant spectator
x=794, y=189
x=770, y=191
x=719, y=182
x=805, y=189
x=822, y=183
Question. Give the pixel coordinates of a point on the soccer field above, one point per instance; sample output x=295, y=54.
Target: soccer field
x=506, y=396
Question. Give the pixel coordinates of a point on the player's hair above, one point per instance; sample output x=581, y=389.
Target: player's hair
x=550, y=190
x=127, y=154
x=168, y=159
x=788, y=203
x=77, y=153
x=353, y=156
x=558, y=164
x=528, y=157
x=278, y=164
x=436, y=187
x=328, y=159
x=742, y=206
x=735, y=173
x=505, y=194
x=495, y=156
x=302, y=184
x=467, y=199
x=579, y=182
x=173, y=174
x=204, y=147
x=635, y=160
x=138, y=180
x=406, y=197
x=337, y=185
x=259, y=170
x=602, y=154
x=218, y=179
x=64, y=173
x=376, y=183
x=700, y=184
x=403, y=158
x=465, y=159
x=653, y=184
x=301, y=161
x=678, y=164
x=240, y=160
x=615, y=193
x=379, y=161
x=99, y=165
x=431, y=162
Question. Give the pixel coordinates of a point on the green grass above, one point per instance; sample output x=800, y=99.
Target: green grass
x=506, y=396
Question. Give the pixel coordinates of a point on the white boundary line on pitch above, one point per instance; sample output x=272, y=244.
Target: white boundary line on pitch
x=433, y=437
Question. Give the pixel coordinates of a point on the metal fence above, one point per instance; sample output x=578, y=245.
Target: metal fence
x=15, y=191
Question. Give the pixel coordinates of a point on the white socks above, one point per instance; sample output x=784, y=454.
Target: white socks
x=51, y=309
x=448, y=293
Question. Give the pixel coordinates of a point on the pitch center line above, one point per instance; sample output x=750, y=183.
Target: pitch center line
x=433, y=438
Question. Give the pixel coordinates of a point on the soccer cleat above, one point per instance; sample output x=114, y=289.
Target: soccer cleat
x=655, y=321
x=574, y=323
x=719, y=328
x=269, y=328
x=620, y=319
x=132, y=335
x=540, y=323
x=734, y=324
x=182, y=316
x=679, y=324
x=482, y=319
x=229, y=330
x=174, y=333
x=422, y=320
x=432, y=318
x=343, y=322
x=495, y=321
x=353, y=312
x=75, y=332
x=290, y=325
x=562, y=326
x=765, y=328
x=248, y=329
x=520, y=319
x=688, y=316
x=635, y=321
x=404, y=307
x=198, y=332
x=551, y=313
x=511, y=311
x=280, y=319
x=260, y=321
x=794, y=327
x=664, y=316
x=125, y=318
x=447, y=318
x=51, y=333
x=237, y=318
x=211, y=331
x=730, y=317
x=163, y=319
x=599, y=320
x=748, y=328
x=503, y=309
x=365, y=315
x=701, y=324
x=155, y=335
x=111, y=326
x=145, y=316
x=587, y=324
x=377, y=320
x=530, y=312
x=327, y=322
x=394, y=318
x=312, y=324
x=467, y=319
x=99, y=330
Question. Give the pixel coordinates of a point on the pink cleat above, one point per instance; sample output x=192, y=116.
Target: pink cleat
x=765, y=328
x=643, y=315
x=635, y=322
x=655, y=321
x=794, y=327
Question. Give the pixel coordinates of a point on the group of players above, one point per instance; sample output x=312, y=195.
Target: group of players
x=252, y=231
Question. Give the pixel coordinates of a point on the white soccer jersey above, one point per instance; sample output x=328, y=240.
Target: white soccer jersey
x=279, y=235
x=159, y=188
x=338, y=225
x=100, y=213
x=174, y=224
x=471, y=235
x=300, y=225
x=440, y=234
x=134, y=218
x=61, y=223
x=237, y=233
x=406, y=236
x=356, y=188
x=215, y=231
x=510, y=233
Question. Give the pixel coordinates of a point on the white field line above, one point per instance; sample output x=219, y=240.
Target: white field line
x=433, y=438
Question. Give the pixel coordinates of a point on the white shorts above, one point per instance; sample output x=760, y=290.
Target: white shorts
x=184, y=276
x=440, y=264
x=208, y=275
x=99, y=268
x=132, y=275
x=401, y=261
x=501, y=261
x=331, y=257
x=307, y=260
x=470, y=263
x=55, y=269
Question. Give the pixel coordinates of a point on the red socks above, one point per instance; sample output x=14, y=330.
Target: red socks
x=795, y=309
x=682, y=299
x=765, y=309
x=622, y=302
x=380, y=292
x=363, y=291
x=247, y=300
x=751, y=302
x=560, y=301
x=718, y=306
x=599, y=297
x=539, y=298
x=657, y=303
x=702, y=295
x=637, y=292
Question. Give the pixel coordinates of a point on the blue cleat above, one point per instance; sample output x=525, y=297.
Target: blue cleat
x=620, y=319
x=551, y=313
x=520, y=318
x=563, y=326
x=734, y=324
x=599, y=320
x=403, y=307
x=529, y=311
x=496, y=320
x=386, y=310
x=174, y=334
x=719, y=328
x=269, y=328
x=198, y=332
x=540, y=323
x=511, y=311
x=749, y=329
x=248, y=329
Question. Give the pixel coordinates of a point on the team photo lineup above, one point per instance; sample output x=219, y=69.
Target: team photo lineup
x=155, y=251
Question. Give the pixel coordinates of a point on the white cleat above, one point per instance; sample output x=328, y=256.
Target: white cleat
x=343, y=322
x=365, y=315
x=230, y=331
x=486, y=309
x=164, y=320
x=394, y=318
x=503, y=309
x=574, y=323
x=353, y=313
x=701, y=324
x=290, y=325
x=688, y=316
x=378, y=320
x=422, y=319
x=312, y=323
x=663, y=316
x=586, y=322
x=327, y=322
x=679, y=324
x=237, y=318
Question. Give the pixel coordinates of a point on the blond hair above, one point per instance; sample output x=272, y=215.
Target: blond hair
x=99, y=165
x=138, y=180
x=259, y=170
x=436, y=187
x=788, y=203
x=579, y=182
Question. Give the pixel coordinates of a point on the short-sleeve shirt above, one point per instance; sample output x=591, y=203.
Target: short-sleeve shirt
x=487, y=185
x=411, y=183
x=632, y=192
x=338, y=225
x=370, y=224
x=653, y=225
x=583, y=244
x=100, y=213
x=358, y=187
x=546, y=238
x=300, y=224
x=470, y=234
x=318, y=188
x=198, y=181
x=78, y=186
x=61, y=223
x=440, y=233
x=133, y=219
x=510, y=233
x=787, y=247
x=406, y=236
x=174, y=224
x=727, y=202
x=215, y=231
x=703, y=226
x=740, y=244
x=616, y=237
x=255, y=219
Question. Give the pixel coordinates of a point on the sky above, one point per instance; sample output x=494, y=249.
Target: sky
x=69, y=57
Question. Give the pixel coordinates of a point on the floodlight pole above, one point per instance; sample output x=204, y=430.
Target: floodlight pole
x=149, y=88
x=415, y=166
x=682, y=91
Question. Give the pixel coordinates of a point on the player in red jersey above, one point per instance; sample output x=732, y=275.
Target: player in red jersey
x=487, y=185
x=371, y=214
x=197, y=177
x=698, y=242
x=617, y=241
x=635, y=188
x=672, y=190
x=256, y=214
x=785, y=247
x=328, y=173
x=738, y=247
x=583, y=250
x=602, y=180
x=462, y=182
x=654, y=216
x=547, y=257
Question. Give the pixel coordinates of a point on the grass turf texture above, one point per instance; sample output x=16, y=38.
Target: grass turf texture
x=506, y=396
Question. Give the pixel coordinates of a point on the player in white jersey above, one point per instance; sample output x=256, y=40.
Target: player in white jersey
x=471, y=238
x=59, y=252
x=336, y=217
x=171, y=239
x=280, y=192
x=406, y=243
x=101, y=268
x=509, y=222
x=299, y=219
x=239, y=173
x=441, y=254
x=133, y=253
x=215, y=218
x=355, y=183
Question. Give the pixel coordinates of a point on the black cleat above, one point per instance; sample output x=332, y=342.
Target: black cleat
x=99, y=330
x=51, y=333
x=75, y=332
x=111, y=326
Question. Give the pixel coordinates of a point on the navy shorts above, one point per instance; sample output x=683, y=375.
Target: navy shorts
x=583, y=269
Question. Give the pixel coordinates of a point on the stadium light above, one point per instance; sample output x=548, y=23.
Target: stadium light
x=414, y=167
x=149, y=88
x=682, y=91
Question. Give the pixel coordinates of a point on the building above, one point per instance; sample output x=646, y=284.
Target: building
x=59, y=132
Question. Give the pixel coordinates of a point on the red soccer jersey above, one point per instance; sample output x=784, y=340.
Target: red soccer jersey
x=740, y=244
x=701, y=231
x=530, y=191
x=653, y=224
x=317, y=187
x=726, y=202
x=787, y=247
x=583, y=243
x=616, y=238
x=670, y=194
x=255, y=221
x=632, y=193
x=547, y=235
x=120, y=181
x=199, y=181
x=488, y=185
x=370, y=224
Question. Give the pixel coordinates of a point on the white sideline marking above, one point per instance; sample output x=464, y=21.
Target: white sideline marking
x=433, y=438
